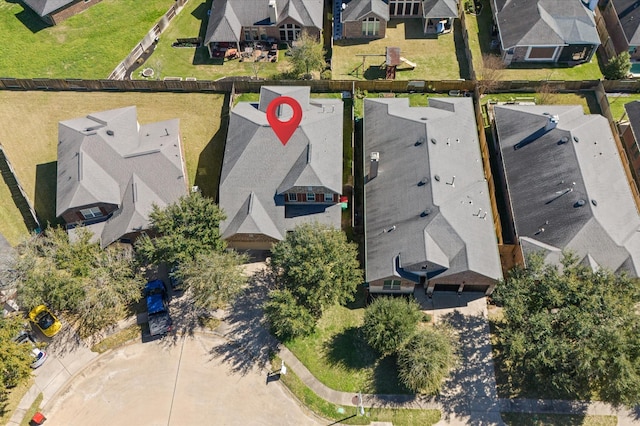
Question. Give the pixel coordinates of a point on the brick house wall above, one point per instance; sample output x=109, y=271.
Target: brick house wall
x=353, y=29
x=631, y=146
x=70, y=10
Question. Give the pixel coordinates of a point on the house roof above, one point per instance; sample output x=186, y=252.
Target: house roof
x=440, y=8
x=107, y=157
x=545, y=22
x=45, y=7
x=633, y=115
x=258, y=169
x=229, y=16
x=629, y=17
x=428, y=208
x=357, y=9
x=567, y=187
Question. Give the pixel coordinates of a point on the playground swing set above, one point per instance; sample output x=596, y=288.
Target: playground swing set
x=393, y=62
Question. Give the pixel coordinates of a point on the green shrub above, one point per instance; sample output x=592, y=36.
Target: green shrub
x=389, y=321
x=618, y=67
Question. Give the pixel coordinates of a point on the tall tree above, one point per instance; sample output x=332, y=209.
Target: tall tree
x=182, y=230
x=572, y=330
x=307, y=55
x=15, y=358
x=286, y=318
x=618, y=67
x=389, y=322
x=78, y=277
x=214, y=279
x=318, y=266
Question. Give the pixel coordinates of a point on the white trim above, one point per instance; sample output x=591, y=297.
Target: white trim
x=553, y=58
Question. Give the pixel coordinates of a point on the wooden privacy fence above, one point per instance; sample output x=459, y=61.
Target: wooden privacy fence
x=120, y=72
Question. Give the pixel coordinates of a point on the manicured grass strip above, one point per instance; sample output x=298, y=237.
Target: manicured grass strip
x=26, y=421
x=88, y=45
x=617, y=101
x=586, y=99
x=535, y=419
x=118, y=339
x=347, y=415
x=13, y=398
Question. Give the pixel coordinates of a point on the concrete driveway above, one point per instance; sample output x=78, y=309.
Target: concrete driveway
x=162, y=383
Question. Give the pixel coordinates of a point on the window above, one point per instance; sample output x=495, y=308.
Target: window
x=404, y=7
x=370, y=27
x=328, y=197
x=251, y=34
x=289, y=32
x=545, y=53
x=292, y=196
x=91, y=213
x=391, y=285
x=311, y=196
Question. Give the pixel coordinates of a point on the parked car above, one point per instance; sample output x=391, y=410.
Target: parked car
x=157, y=308
x=45, y=320
x=39, y=356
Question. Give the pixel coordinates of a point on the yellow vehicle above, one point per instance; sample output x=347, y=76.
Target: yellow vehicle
x=45, y=320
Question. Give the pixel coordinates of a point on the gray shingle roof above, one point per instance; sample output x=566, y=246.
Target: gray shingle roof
x=229, y=16
x=45, y=7
x=106, y=157
x=429, y=203
x=566, y=194
x=629, y=17
x=545, y=22
x=257, y=168
x=440, y=8
x=358, y=9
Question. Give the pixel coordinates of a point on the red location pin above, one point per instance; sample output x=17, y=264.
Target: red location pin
x=284, y=129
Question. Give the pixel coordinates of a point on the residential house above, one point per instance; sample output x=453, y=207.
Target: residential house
x=562, y=31
x=369, y=18
x=112, y=170
x=567, y=190
x=234, y=21
x=267, y=187
x=622, y=18
x=428, y=215
x=55, y=11
x=630, y=135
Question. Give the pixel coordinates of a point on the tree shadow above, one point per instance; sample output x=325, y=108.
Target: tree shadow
x=201, y=53
x=249, y=343
x=458, y=41
x=45, y=193
x=210, y=159
x=349, y=349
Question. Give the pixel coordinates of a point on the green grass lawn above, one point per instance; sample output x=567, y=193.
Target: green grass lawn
x=195, y=62
x=13, y=398
x=337, y=355
x=415, y=99
x=530, y=419
x=29, y=133
x=617, y=101
x=586, y=99
x=88, y=45
x=435, y=57
x=479, y=30
x=347, y=415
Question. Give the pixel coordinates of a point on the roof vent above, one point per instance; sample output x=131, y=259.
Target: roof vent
x=433, y=141
x=563, y=140
x=419, y=142
x=110, y=132
x=425, y=213
x=437, y=178
x=375, y=156
x=393, y=228
x=424, y=181
x=580, y=203
x=552, y=122
x=576, y=139
x=373, y=167
x=594, y=202
x=423, y=118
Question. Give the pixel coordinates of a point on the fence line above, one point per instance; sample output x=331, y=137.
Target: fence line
x=18, y=193
x=120, y=71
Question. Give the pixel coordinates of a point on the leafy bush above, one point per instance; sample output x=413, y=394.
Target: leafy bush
x=426, y=359
x=618, y=67
x=389, y=321
x=326, y=75
x=286, y=318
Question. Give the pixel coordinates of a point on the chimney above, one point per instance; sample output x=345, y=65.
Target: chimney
x=273, y=12
x=552, y=122
x=373, y=167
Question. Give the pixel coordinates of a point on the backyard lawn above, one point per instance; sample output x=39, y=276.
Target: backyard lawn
x=435, y=57
x=479, y=30
x=195, y=62
x=617, y=101
x=88, y=45
x=337, y=355
x=29, y=131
